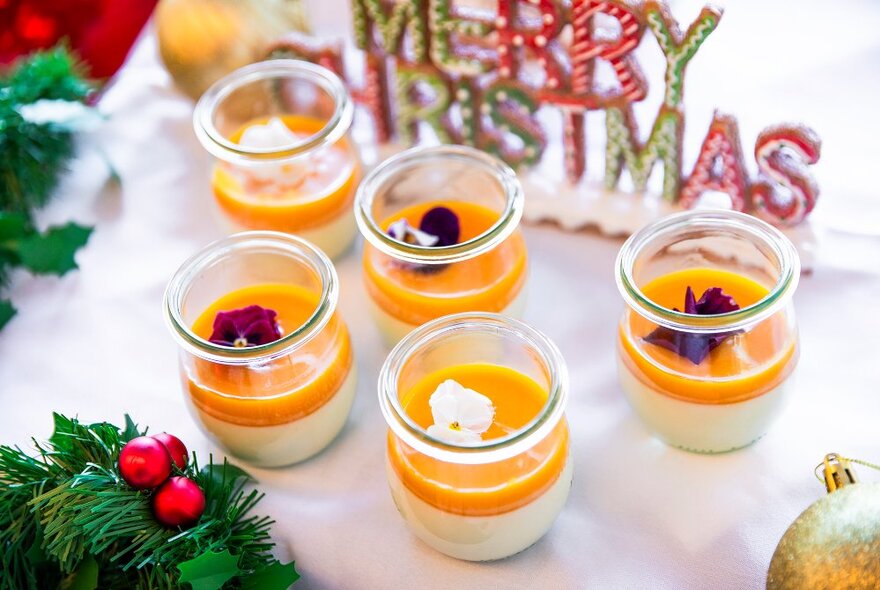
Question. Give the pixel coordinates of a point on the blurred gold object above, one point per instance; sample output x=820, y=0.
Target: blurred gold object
x=200, y=41
x=835, y=543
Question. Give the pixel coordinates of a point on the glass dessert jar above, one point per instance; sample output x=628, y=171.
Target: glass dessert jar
x=708, y=342
x=478, y=445
x=266, y=362
x=278, y=130
x=441, y=237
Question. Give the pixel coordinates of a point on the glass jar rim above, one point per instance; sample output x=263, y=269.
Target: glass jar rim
x=266, y=241
x=774, y=240
x=383, y=173
x=221, y=147
x=488, y=451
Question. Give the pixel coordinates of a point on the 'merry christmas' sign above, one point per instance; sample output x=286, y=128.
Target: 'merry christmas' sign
x=478, y=77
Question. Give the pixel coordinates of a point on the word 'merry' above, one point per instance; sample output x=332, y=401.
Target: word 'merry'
x=478, y=78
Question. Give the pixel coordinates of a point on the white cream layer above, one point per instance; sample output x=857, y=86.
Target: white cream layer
x=285, y=444
x=333, y=238
x=393, y=329
x=703, y=428
x=481, y=538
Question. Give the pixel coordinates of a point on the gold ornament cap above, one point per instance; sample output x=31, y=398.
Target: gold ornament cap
x=835, y=543
x=837, y=472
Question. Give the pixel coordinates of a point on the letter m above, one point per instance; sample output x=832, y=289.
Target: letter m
x=381, y=26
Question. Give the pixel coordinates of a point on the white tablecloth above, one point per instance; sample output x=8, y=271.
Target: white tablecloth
x=640, y=514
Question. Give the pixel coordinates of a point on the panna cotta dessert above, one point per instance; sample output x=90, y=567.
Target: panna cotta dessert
x=478, y=446
x=442, y=237
x=708, y=344
x=266, y=362
x=279, y=132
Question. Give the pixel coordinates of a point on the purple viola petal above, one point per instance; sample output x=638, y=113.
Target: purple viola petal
x=664, y=338
x=715, y=301
x=248, y=326
x=443, y=223
x=224, y=330
x=696, y=346
x=690, y=302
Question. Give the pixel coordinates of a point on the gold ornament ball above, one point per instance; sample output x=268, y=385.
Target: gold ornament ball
x=200, y=41
x=834, y=544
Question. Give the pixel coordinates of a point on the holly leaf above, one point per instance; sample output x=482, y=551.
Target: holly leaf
x=6, y=312
x=35, y=555
x=210, y=570
x=131, y=429
x=64, y=427
x=52, y=252
x=220, y=475
x=275, y=576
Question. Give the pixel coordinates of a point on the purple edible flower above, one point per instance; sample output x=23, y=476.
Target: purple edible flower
x=438, y=227
x=443, y=223
x=402, y=231
x=249, y=326
x=696, y=346
x=713, y=302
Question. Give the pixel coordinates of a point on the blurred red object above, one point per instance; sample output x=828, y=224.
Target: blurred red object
x=100, y=32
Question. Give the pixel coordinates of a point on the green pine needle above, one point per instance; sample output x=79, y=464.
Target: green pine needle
x=67, y=508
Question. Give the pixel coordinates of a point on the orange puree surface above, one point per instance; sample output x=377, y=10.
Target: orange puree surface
x=742, y=367
x=322, y=194
x=489, y=282
x=486, y=489
x=285, y=389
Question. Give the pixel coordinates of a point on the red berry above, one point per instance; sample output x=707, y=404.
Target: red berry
x=175, y=447
x=179, y=502
x=144, y=463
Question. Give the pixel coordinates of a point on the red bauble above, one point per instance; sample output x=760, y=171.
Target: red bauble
x=100, y=32
x=175, y=447
x=179, y=502
x=144, y=463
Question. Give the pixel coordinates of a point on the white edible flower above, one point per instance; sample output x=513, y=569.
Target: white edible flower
x=400, y=230
x=273, y=134
x=461, y=415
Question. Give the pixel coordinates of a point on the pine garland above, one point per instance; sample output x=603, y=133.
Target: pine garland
x=34, y=154
x=68, y=520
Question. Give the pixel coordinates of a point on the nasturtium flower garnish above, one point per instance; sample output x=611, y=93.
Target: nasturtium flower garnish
x=461, y=415
x=249, y=326
x=696, y=346
x=439, y=227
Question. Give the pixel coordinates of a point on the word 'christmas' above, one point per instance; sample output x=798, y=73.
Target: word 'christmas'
x=479, y=77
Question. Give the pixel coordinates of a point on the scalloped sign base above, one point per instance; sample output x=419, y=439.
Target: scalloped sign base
x=588, y=205
x=618, y=213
